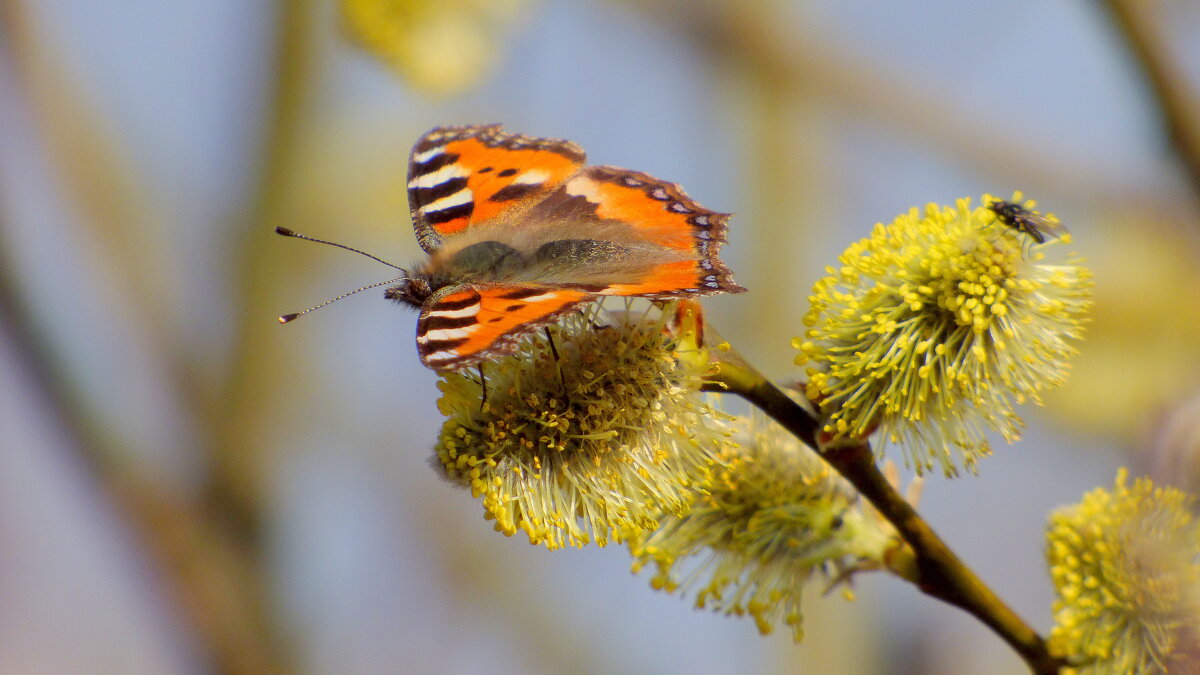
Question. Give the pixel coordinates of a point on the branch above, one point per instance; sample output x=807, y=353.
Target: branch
x=240, y=445
x=1138, y=22
x=939, y=572
x=214, y=582
x=808, y=58
x=215, y=576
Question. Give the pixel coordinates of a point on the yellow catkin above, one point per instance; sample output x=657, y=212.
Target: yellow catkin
x=773, y=515
x=587, y=448
x=1125, y=563
x=933, y=328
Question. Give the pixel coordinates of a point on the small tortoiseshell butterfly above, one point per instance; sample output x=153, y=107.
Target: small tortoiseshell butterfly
x=1021, y=219
x=519, y=232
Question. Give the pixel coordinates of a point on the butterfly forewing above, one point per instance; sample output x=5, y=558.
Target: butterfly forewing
x=459, y=177
x=645, y=214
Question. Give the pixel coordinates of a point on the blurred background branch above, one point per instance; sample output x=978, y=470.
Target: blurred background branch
x=239, y=453
x=209, y=576
x=105, y=188
x=1140, y=23
x=804, y=57
x=214, y=570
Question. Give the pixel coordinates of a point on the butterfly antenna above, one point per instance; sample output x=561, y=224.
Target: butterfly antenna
x=287, y=318
x=289, y=233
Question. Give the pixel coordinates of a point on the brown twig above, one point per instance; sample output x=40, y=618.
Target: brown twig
x=1139, y=22
x=807, y=58
x=239, y=452
x=940, y=573
x=204, y=571
x=217, y=581
x=111, y=199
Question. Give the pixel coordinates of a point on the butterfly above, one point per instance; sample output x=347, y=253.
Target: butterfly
x=519, y=232
x=1021, y=219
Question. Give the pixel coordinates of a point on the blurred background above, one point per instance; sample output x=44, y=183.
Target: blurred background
x=188, y=487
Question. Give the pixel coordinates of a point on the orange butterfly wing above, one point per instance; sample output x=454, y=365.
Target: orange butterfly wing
x=463, y=176
x=460, y=326
x=586, y=232
x=656, y=214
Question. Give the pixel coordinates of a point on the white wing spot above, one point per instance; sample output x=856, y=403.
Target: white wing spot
x=435, y=178
x=583, y=187
x=422, y=157
x=463, y=196
x=469, y=310
x=539, y=298
x=447, y=334
x=532, y=177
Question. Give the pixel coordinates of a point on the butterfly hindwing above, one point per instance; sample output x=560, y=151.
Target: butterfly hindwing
x=463, y=325
x=644, y=212
x=463, y=176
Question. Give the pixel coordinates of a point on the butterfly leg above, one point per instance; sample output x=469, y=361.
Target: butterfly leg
x=483, y=384
x=557, y=363
x=553, y=348
x=596, y=326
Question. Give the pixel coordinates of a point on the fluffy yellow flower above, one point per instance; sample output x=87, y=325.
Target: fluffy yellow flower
x=440, y=46
x=591, y=446
x=935, y=326
x=774, y=514
x=1126, y=568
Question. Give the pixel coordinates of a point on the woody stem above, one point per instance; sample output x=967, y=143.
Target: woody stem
x=938, y=571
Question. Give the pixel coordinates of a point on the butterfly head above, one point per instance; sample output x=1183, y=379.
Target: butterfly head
x=412, y=291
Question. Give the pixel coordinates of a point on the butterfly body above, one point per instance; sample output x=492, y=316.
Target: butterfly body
x=1021, y=219
x=520, y=232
